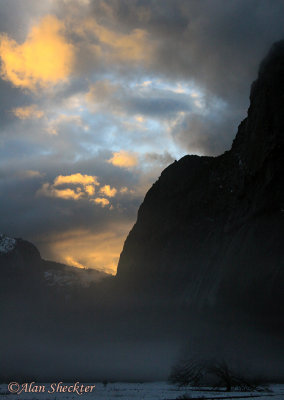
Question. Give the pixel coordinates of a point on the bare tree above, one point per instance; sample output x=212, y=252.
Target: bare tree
x=187, y=372
x=215, y=374
x=228, y=378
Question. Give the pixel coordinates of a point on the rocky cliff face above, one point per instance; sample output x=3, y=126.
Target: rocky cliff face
x=210, y=230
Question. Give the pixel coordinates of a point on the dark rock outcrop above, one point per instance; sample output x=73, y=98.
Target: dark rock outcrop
x=210, y=230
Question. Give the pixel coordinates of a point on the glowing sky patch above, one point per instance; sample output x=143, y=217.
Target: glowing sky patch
x=123, y=159
x=28, y=112
x=91, y=250
x=43, y=59
x=108, y=191
x=102, y=201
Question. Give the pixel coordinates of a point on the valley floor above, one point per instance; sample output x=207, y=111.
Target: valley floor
x=146, y=391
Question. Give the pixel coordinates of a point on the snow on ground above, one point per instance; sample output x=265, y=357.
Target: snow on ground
x=144, y=391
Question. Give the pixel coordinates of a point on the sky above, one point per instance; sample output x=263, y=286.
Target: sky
x=98, y=97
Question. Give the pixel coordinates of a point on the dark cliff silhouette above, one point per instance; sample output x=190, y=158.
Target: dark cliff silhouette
x=211, y=229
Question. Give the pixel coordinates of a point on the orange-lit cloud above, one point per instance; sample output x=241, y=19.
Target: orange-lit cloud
x=124, y=189
x=44, y=59
x=66, y=194
x=90, y=189
x=101, y=201
x=28, y=112
x=81, y=186
x=76, y=179
x=123, y=159
x=70, y=261
x=108, y=191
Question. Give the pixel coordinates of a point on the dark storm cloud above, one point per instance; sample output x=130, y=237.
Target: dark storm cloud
x=157, y=106
x=16, y=16
x=217, y=44
x=206, y=134
x=164, y=159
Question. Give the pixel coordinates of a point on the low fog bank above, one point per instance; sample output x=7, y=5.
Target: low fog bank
x=115, y=340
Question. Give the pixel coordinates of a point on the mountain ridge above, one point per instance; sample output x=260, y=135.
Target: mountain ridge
x=20, y=258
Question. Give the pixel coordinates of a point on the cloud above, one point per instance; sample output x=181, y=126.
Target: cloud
x=73, y=263
x=101, y=91
x=139, y=118
x=108, y=191
x=139, y=102
x=205, y=134
x=66, y=194
x=28, y=112
x=124, y=190
x=90, y=189
x=44, y=59
x=29, y=174
x=216, y=46
x=134, y=46
x=161, y=159
x=76, y=179
x=101, y=201
x=104, y=96
x=123, y=159
x=84, y=187
x=62, y=120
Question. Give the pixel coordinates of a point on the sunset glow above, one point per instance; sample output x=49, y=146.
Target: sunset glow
x=99, y=97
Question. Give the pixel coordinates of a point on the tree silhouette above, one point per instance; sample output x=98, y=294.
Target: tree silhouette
x=215, y=374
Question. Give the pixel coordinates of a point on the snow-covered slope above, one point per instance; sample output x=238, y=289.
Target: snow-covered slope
x=20, y=258
x=63, y=275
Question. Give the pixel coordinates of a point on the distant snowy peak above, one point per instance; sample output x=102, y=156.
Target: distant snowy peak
x=7, y=244
x=62, y=275
x=59, y=278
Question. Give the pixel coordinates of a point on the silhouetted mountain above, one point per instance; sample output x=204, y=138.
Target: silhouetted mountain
x=210, y=230
x=22, y=265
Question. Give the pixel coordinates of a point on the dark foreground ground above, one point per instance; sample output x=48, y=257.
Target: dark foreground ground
x=148, y=391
